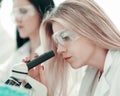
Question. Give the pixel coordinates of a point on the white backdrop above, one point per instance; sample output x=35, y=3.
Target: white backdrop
x=111, y=7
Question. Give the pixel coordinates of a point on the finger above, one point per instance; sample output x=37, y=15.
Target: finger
x=26, y=60
x=35, y=73
x=42, y=75
x=34, y=55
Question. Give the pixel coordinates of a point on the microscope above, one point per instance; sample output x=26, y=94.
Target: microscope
x=20, y=73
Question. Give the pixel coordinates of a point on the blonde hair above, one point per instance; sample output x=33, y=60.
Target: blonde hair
x=84, y=17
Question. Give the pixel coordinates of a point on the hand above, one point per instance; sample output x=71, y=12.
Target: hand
x=37, y=72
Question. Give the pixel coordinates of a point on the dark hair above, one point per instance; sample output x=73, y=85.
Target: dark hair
x=0, y=2
x=42, y=6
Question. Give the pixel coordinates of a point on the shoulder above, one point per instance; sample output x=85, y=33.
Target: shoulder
x=112, y=63
x=18, y=55
x=114, y=52
x=115, y=63
x=116, y=56
x=24, y=48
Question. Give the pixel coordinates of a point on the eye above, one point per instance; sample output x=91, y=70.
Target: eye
x=23, y=11
x=65, y=37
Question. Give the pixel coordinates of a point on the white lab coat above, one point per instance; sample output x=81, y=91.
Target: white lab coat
x=109, y=82
x=7, y=44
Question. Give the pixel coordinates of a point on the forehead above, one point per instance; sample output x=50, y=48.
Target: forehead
x=18, y=3
x=57, y=27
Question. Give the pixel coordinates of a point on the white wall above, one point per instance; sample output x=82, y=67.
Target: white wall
x=57, y=2
x=6, y=17
x=111, y=7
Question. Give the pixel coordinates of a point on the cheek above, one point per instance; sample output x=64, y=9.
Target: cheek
x=32, y=23
x=35, y=20
x=82, y=52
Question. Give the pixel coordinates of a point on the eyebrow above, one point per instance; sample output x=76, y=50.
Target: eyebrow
x=24, y=6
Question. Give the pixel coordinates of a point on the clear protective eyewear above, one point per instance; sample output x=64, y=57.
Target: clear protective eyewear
x=24, y=11
x=65, y=37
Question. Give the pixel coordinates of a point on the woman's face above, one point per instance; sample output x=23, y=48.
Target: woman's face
x=75, y=49
x=27, y=18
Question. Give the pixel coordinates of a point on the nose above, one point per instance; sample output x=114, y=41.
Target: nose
x=61, y=49
x=18, y=20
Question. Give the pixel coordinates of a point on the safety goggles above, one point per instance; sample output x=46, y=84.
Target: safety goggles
x=65, y=37
x=24, y=11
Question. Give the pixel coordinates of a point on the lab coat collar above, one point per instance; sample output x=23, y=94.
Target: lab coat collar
x=103, y=86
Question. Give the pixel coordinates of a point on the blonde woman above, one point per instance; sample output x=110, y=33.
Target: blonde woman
x=81, y=34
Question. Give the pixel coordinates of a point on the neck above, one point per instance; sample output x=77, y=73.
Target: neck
x=34, y=43
x=98, y=59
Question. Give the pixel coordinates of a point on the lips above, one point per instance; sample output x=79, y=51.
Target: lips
x=20, y=26
x=67, y=58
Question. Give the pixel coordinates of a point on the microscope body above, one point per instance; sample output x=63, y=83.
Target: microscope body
x=20, y=73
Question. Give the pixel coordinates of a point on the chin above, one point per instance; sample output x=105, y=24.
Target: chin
x=74, y=67
x=23, y=36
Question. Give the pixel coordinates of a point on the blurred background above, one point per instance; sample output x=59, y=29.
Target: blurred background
x=8, y=27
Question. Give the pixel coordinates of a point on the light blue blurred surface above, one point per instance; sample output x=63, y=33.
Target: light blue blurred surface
x=6, y=90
